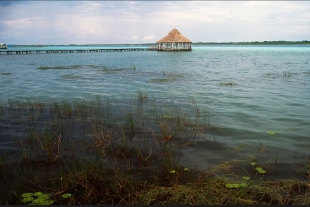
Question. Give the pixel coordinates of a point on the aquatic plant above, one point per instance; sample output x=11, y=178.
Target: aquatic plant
x=96, y=66
x=102, y=164
x=66, y=195
x=272, y=132
x=306, y=73
x=283, y=75
x=159, y=80
x=141, y=96
x=107, y=70
x=260, y=170
x=59, y=67
x=236, y=185
x=70, y=77
x=37, y=198
x=40, y=198
x=239, y=148
x=286, y=74
x=228, y=84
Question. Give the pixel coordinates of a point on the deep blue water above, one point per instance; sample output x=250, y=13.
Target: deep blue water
x=270, y=91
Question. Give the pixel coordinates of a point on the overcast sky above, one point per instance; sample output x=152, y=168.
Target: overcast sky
x=112, y=22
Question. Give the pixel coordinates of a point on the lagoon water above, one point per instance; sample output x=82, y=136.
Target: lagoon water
x=270, y=88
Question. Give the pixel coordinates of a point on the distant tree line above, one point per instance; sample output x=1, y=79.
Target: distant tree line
x=280, y=42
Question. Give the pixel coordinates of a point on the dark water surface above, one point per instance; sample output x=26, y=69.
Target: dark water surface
x=257, y=95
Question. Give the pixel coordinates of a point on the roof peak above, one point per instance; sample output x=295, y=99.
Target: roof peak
x=174, y=36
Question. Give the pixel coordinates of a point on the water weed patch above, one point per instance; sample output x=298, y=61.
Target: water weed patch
x=159, y=80
x=101, y=151
x=59, y=67
x=228, y=84
x=70, y=77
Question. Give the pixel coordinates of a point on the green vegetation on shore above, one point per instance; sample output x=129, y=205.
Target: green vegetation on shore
x=107, y=152
x=280, y=42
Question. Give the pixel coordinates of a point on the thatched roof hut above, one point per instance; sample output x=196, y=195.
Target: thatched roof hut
x=3, y=46
x=174, y=41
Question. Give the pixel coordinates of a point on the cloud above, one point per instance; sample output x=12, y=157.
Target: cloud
x=81, y=22
x=149, y=37
x=135, y=37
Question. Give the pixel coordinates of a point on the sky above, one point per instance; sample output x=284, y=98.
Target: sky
x=135, y=22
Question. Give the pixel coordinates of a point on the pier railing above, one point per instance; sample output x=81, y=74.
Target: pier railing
x=18, y=52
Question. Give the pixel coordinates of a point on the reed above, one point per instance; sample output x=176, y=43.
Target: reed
x=141, y=96
x=286, y=74
x=100, y=151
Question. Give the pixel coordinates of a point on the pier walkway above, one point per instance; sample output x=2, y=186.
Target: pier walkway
x=48, y=51
x=17, y=52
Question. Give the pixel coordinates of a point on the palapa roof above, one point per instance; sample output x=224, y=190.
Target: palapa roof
x=174, y=36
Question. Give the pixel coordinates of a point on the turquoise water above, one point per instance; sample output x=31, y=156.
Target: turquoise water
x=270, y=91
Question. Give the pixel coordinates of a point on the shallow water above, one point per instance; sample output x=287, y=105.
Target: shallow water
x=270, y=89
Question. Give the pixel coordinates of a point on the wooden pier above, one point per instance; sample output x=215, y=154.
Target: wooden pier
x=40, y=51
x=19, y=52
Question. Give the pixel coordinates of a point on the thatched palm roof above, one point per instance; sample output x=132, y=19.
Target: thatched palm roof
x=174, y=36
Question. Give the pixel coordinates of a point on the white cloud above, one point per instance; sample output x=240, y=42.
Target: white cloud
x=135, y=37
x=122, y=21
x=149, y=37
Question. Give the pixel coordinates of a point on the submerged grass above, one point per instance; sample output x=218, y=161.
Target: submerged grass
x=159, y=80
x=306, y=73
x=59, y=67
x=142, y=96
x=228, y=84
x=283, y=75
x=103, y=152
x=168, y=77
x=70, y=77
x=101, y=68
x=116, y=70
